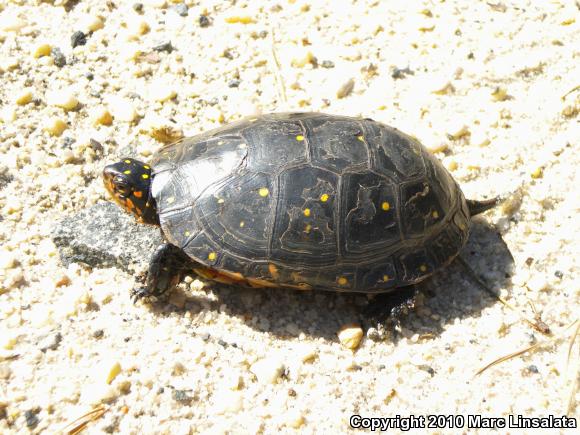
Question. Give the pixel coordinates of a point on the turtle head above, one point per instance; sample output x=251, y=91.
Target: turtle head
x=129, y=183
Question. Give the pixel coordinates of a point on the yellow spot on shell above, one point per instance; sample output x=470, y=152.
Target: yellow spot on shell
x=307, y=228
x=273, y=270
x=342, y=280
x=221, y=200
x=385, y=206
x=299, y=137
x=145, y=176
x=306, y=212
x=361, y=138
x=146, y=167
x=386, y=278
x=171, y=200
x=127, y=161
x=423, y=268
x=242, y=223
x=264, y=191
x=212, y=256
x=187, y=233
x=324, y=197
x=435, y=214
x=127, y=172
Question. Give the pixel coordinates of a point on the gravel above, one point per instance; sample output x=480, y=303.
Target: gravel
x=491, y=89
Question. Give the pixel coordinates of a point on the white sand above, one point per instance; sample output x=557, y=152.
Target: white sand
x=486, y=91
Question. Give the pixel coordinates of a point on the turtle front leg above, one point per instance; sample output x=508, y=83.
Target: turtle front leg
x=166, y=268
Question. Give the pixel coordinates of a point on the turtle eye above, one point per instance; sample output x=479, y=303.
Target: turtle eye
x=122, y=186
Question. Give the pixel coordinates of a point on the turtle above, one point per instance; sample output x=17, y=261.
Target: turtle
x=305, y=201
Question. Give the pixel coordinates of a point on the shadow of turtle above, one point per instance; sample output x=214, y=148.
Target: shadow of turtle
x=450, y=294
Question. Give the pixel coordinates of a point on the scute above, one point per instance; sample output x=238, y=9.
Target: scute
x=307, y=201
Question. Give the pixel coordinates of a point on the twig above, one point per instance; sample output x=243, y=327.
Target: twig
x=278, y=71
x=78, y=425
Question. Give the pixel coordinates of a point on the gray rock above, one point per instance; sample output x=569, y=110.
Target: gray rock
x=105, y=236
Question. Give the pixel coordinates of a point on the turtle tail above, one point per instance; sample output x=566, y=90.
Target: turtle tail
x=477, y=207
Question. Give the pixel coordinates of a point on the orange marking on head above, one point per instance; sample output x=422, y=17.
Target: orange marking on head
x=138, y=194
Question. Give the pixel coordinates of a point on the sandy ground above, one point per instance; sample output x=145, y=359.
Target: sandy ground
x=489, y=87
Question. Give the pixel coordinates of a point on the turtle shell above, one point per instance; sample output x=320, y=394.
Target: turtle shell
x=309, y=200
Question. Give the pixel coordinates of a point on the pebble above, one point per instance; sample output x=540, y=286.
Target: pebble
x=122, y=109
x=136, y=27
x=327, y=64
x=204, y=21
x=350, y=336
x=537, y=173
x=78, y=38
x=41, y=49
x=62, y=98
x=499, y=94
x=181, y=9
x=267, y=370
x=307, y=58
x=90, y=23
x=58, y=58
x=456, y=132
x=100, y=115
x=345, y=89
x=55, y=126
x=242, y=19
x=181, y=396
x=50, y=342
x=443, y=89
x=112, y=371
x=24, y=97
x=164, y=46
x=31, y=417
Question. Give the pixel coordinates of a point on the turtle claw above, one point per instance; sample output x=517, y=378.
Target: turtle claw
x=141, y=293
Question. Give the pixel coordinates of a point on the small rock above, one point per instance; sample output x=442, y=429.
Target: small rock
x=138, y=7
x=267, y=370
x=350, y=336
x=5, y=373
x=401, y=73
x=90, y=23
x=443, y=89
x=302, y=61
x=457, y=132
x=181, y=9
x=112, y=372
x=100, y=115
x=31, y=417
x=164, y=46
x=98, y=333
x=136, y=27
x=537, y=173
x=24, y=97
x=327, y=64
x=161, y=129
x=58, y=57
x=345, y=89
x=234, y=83
x=78, y=38
x=499, y=94
x=55, y=126
x=204, y=21
x=241, y=19
x=63, y=99
x=181, y=396
x=41, y=49
x=50, y=342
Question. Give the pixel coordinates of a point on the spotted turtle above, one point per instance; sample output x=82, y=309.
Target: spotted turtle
x=306, y=201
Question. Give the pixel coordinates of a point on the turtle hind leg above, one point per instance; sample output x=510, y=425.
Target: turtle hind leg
x=385, y=311
x=477, y=207
x=166, y=268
